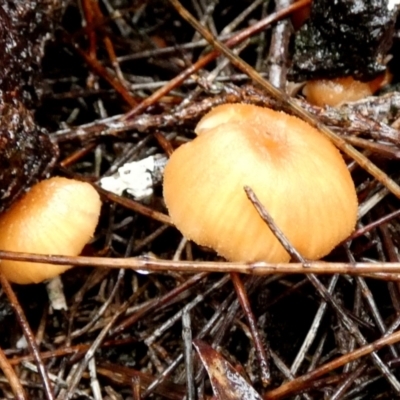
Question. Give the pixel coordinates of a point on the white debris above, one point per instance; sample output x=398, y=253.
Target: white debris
x=21, y=343
x=392, y=4
x=136, y=178
x=55, y=291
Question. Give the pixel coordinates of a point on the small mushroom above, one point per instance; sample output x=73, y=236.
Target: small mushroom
x=57, y=216
x=297, y=174
x=334, y=92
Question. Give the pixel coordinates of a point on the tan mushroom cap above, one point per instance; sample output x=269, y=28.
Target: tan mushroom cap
x=57, y=216
x=334, y=92
x=298, y=175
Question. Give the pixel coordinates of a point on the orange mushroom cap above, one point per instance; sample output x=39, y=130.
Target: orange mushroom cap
x=297, y=174
x=57, y=216
x=334, y=92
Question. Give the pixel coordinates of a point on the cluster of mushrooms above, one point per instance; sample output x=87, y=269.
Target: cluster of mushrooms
x=297, y=174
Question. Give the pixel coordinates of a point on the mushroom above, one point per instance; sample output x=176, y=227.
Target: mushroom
x=57, y=216
x=334, y=92
x=297, y=174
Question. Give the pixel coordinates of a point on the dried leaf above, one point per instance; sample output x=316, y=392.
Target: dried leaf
x=226, y=382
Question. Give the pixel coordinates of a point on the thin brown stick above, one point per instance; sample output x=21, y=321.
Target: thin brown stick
x=77, y=350
x=158, y=302
x=213, y=55
x=365, y=229
x=260, y=350
x=347, y=322
x=98, y=69
x=303, y=381
x=87, y=7
x=259, y=268
x=12, y=377
x=77, y=155
x=77, y=375
x=30, y=337
x=135, y=206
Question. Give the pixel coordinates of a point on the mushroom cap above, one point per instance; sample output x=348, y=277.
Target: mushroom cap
x=57, y=216
x=297, y=174
x=334, y=92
